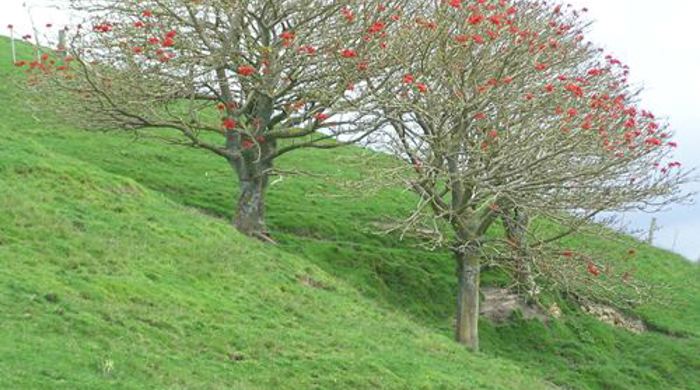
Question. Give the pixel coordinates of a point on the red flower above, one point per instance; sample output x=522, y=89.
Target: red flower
x=568, y=253
x=348, y=14
x=321, y=116
x=479, y=116
x=221, y=106
x=137, y=49
x=673, y=144
x=103, y=28
x=171, y=34
x=462, y=38
x=408, y=78
x=153, y=40
x=593, y=269
x=139, y=24
x=287, y=38
x=310, y=50
x=575, y=89
x=168, y=42
x=229, y=124
x=20, y=63
x=496, y=19
x=147, y=13
x=348, y=53
x=549, y=88
x=475, y=19
x=247, y=144
x=376, y=27
x=456, y=3
x=422, y=88
x=653, y=141
x=478, y=39
x=246, y=70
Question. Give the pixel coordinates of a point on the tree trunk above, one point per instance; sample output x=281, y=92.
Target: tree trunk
x=253, y=175
x=250, y=210
x=467, y=324
x=516, y=222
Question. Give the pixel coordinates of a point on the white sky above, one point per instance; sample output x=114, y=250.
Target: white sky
x=659, y=41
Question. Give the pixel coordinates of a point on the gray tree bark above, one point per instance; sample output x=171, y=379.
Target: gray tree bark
x=467, y=324
x=253, y=175
x=516, y=223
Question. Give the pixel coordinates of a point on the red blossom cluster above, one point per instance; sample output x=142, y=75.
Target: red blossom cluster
x=103, y=27
x=593, y=269
x=321, y=117
x=246, y=70
x=409, y=79
x=596, y=99
x=47, y=64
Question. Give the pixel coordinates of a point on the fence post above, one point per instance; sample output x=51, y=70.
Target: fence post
x=652, y=229
x=62, y=49
x=12, y=43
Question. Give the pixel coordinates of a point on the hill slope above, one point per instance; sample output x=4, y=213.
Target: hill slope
x=107, y=283
x=119, y=268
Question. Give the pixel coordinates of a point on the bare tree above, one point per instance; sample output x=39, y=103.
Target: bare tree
x=248, y=80
x=505, y=112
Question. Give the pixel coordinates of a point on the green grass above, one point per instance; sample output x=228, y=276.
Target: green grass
x=119, y=269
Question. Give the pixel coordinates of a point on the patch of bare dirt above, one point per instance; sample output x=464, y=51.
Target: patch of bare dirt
x=614, y=317
x=499, y=304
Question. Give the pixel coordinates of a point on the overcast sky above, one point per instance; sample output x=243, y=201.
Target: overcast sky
x=659, y=41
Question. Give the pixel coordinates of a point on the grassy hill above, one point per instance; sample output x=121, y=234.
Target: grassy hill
x=119, y=270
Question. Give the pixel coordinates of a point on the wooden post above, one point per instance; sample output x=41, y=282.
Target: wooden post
x=675, y=240
x=62, y=48
x=37, y=48
x=12, y=43
x=652, y=229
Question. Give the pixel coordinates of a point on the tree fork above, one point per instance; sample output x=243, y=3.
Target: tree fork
x=516, y=223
